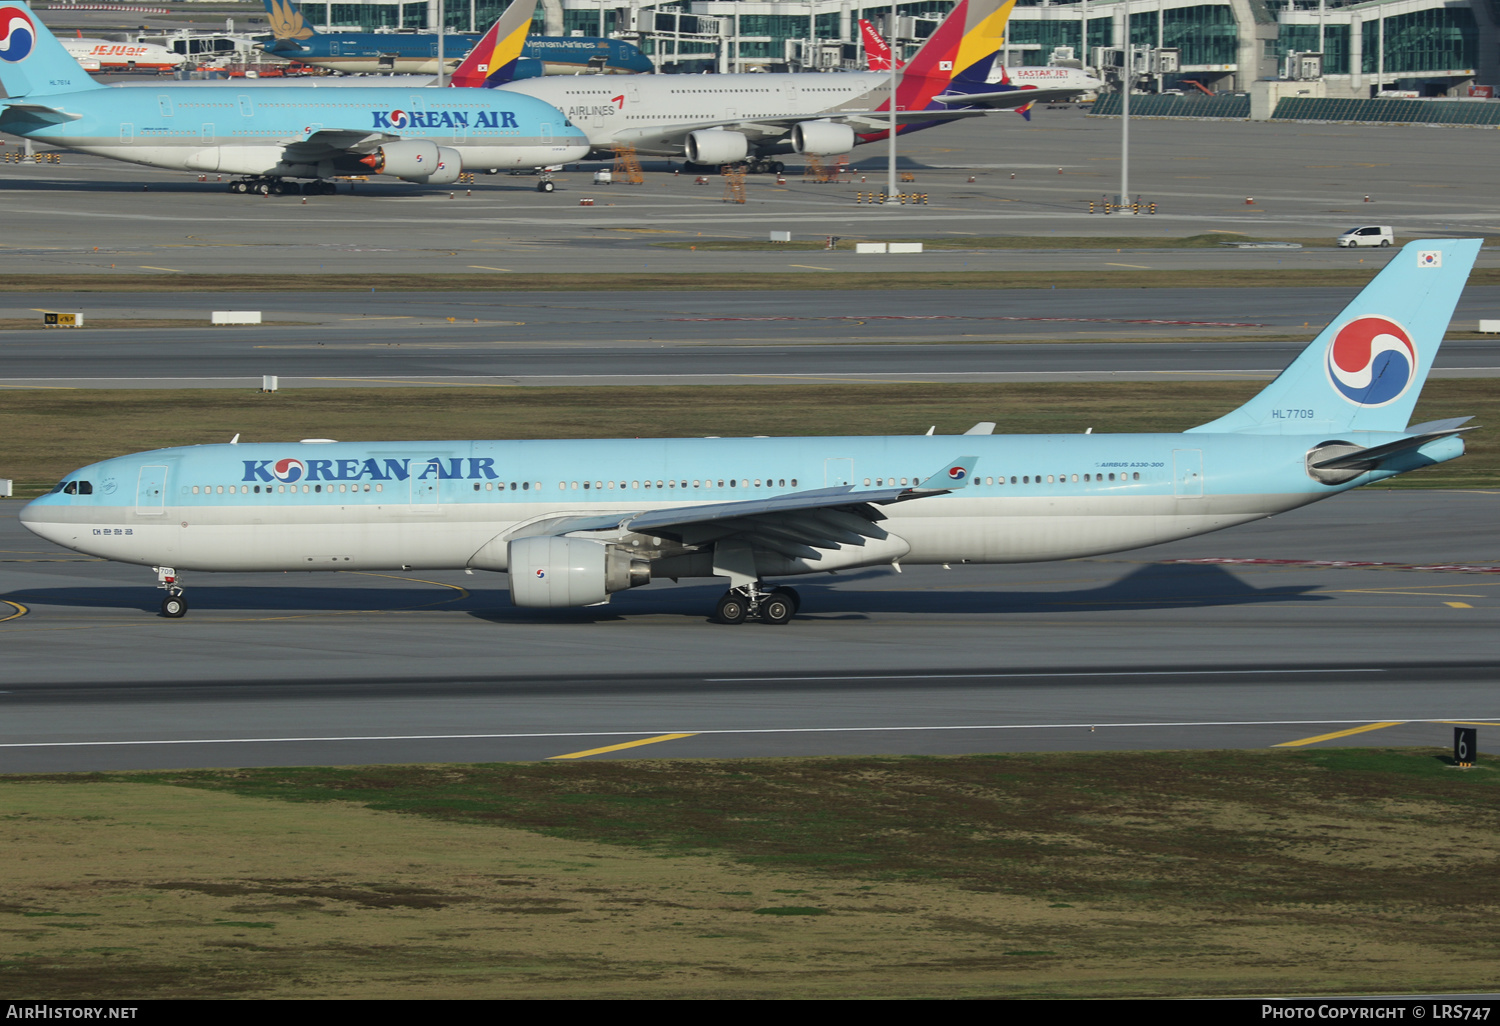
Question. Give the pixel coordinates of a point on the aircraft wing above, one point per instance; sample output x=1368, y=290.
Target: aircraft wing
x=15, y=110
x=326, y=141
x=762, y=129
x=1007, y=98
x=795, y=525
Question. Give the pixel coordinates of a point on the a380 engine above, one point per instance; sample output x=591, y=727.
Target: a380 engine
x=822, y=138
x=716, y=146
x=417, y=160
x=553, y=573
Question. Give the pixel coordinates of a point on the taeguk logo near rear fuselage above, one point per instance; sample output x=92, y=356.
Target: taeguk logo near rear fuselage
x=441, y=118
x=1371, y=361
x=17, y=35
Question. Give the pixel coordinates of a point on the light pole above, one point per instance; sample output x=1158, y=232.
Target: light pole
x=890, y=185
x=441, y=77
x=1127, y=79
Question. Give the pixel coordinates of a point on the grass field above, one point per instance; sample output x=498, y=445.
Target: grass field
x=45, y=433
x=1107, y=874
x=675, y=281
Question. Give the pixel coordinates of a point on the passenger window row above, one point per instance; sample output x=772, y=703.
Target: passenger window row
x=734, y=482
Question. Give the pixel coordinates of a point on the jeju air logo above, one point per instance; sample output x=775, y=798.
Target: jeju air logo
x=957, y=473
x=400, y=119
x=289, y=470
x=1371, y=361
x=17, y=35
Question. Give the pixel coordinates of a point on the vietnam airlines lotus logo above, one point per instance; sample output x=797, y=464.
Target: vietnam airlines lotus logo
x=286, y=22
x=17, y=35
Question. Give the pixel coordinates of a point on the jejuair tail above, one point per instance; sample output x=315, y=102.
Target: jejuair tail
x=34, y=63
x=1365, y=370
x=494, y=60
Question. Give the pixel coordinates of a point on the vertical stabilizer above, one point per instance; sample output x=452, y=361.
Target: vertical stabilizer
x=1365, y=370
x=958, y=56
x=32, y=61
x=287, y=23
x=496, y=57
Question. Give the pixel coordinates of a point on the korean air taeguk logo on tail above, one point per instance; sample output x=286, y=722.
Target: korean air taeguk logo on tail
x=1371, y=361
x=17, y=35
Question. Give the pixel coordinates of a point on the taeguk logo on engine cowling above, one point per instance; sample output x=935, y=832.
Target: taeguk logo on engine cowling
x=289, y=470
x=17, y=35
x=1371, y=361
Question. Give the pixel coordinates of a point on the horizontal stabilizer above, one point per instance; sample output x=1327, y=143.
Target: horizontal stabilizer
x=34, y=113
x=1369, y=459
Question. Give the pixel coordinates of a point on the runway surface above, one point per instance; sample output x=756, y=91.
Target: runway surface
x=93, y=216
x=1139, y=650
x=707, y=337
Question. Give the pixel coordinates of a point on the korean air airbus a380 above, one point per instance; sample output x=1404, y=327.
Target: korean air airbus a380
x=572, y=522
x=271, y=136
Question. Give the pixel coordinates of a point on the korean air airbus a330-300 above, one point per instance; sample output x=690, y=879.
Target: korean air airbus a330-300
x=572, y=522
x=272, y=136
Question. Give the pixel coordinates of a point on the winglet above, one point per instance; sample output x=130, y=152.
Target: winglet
x=952, y=477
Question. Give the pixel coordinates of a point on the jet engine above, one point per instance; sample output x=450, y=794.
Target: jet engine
x=417, y=160
x=553, y=572
x=822, y=138
x=716, y=146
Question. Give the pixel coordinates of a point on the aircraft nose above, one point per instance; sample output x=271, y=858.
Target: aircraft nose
x=45, y=520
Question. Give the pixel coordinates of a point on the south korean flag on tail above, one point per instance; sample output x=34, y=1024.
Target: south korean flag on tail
x=1429, y=258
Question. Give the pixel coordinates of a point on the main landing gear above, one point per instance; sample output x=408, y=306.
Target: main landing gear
x=280, y=187
x=777, y=606
x=174, y=605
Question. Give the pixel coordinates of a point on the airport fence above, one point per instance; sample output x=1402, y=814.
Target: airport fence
x=1412, y=112
x=1173, y=106
x=1307, y=108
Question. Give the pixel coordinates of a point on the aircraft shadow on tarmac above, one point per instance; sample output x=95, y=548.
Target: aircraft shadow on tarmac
x=1155, y=586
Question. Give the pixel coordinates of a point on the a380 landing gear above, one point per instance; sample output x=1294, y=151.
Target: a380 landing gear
x=280, y=187
x=174, y=605
x=777, y=606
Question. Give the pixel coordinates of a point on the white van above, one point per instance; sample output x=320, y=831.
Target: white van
x=1369, y=235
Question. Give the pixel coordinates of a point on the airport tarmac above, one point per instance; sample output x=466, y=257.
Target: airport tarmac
x=95, y=216
x=548, y=338
x=1371, y=608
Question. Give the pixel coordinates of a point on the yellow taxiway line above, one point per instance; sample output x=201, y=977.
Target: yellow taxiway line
x=20, y=610
x=1339, y=734
x=621, y=747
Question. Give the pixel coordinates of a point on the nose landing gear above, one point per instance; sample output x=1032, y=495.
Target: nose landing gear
x=174, y=605
x=777, y=606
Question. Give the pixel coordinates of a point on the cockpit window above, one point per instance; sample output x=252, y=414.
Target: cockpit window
x=71, y=488
x=85, y=488
x=59, y=487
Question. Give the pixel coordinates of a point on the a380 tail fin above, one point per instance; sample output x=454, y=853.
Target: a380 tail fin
x=32, y=61
x=495, y=58
x=958, y=56
x=1365, y=370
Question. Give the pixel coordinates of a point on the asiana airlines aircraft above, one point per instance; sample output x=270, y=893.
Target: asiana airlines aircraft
x=573, y=522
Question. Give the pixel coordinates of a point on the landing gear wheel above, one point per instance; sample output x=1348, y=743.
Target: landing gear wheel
x=239, y=187
x=777, y=167
x=546, y=186
x=790, y=595
x=776, y=608
x=732, y=608
x=264, y=188
x=173, y=607
x=291, y=188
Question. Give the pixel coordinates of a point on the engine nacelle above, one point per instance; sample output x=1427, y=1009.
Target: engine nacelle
x=716, y=146
x=450, y=165
x=554, y=573
x=407, y=158
x=822, y=138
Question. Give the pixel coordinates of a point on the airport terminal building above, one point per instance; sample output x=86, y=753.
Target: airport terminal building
x=1353, y=50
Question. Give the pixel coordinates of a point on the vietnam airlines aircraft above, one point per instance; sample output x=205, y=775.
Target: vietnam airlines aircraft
x=572, y=522
x=725, y=119
x=417, y=52
x=419, y=135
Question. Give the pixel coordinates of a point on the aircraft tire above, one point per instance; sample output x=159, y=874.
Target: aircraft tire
x=546, y=186
x=790, y=594
x=777, y=167
x=263, y=189
x=173, y=607
x=777, y=609
x=291, y=188
x=239, y=187
x=732, y=608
